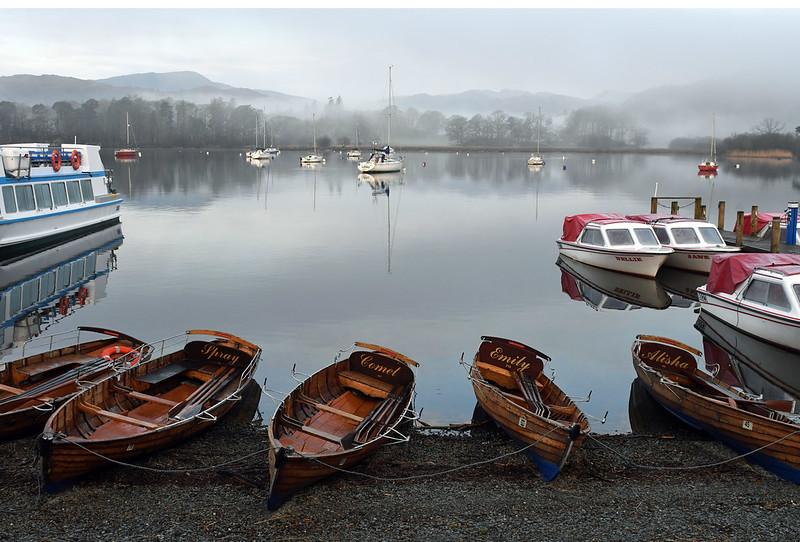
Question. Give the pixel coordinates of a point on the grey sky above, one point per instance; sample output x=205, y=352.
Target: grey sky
x=318, y=53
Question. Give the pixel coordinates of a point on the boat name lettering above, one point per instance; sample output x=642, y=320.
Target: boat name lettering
x=699, y=257
x=628, y=293
x=211, y=352
x=517, y=362
x=367, y=362
x=628, y=258
x=662, y=358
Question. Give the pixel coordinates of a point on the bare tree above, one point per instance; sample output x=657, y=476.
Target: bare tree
x=769, y=126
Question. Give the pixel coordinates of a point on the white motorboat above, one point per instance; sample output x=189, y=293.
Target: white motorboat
x=49, y=191
x=536, y=159
x=384, y=160
x=758, y=294
x=694, y=242
x=613, y=242
x=313, y=158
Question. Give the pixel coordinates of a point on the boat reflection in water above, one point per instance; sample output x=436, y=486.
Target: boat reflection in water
x=602, y=289
x=40, y=289
x=744, y=361
x=380, y=184
x=681, y=286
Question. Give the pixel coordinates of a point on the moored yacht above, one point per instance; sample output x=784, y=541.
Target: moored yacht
x=694, y=242
x=384, y=160
x=49, y=191
x=758, y=294
x=536, y=159
x=128, y=153
x=313, y=158
x=355, y=152
x=613, y=242
x=710, y=166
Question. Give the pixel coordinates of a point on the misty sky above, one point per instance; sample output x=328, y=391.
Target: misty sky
x=318, y=53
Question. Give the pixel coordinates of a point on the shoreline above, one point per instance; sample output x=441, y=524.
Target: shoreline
x=596, y=497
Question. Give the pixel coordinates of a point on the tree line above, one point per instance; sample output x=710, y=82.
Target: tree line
x=769, y=134
x=179, y=123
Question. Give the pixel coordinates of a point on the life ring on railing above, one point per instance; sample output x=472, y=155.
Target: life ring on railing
x=63, y=305
x=82, y=294
x=75, y=159
x=113, y=352
x=55, y=160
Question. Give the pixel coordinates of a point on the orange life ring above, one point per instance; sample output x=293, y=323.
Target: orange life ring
x=63, y=305
x=55, y=160
x=113, y=352
x=75, y=159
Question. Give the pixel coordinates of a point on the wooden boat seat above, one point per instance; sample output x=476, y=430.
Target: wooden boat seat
x=297, y=425
x=329, y=409
x=59, y=362
x=97, y=411
x=164, y=373
x=369, y=386
x=144, y=397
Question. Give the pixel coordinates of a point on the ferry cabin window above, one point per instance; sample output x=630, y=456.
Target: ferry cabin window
x=63, y=276
x=776, y=298
x=86, y=188
x=14, y=300
x=30, y=293
x=48, y=285
x=43, y=197
x=25, y=200
x=757, y=292
x=59, y=194
x=74, y=192
x=592, y=236
x=8, y=199
x=619, y=237
x=646, y=237
x=77, y=270
x=663, y=236
x=684, y=236
x=711, y=235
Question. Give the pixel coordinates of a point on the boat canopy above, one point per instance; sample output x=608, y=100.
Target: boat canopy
x=728, y=271
x=762, y=219
x=574, y=224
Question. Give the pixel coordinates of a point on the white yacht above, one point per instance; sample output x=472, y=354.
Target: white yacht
x=313, y=158
x=50, y=191
x=536, y=158
x=354, y=153
x=613, y=242
x=384, y=160
x=694, y=242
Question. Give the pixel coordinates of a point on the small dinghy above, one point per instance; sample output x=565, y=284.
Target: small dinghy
x=339, y=416
x=32, y=387
x=769, y=430
x=510, y=387
x=152, y=406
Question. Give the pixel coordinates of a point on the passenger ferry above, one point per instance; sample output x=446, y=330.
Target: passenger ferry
x=48, y=191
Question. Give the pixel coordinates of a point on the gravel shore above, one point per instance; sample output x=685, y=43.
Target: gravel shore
x=597, y=497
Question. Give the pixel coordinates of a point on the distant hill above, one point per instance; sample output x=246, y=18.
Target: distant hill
x=184, y=85
x=517, y=102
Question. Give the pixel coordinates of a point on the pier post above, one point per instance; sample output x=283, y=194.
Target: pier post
x=674, y=208
x=721, y=216
x=703, y=212
x=739, y=227
x=698, y=208
x=775, y=242
x=753, y=220
x=653, y=205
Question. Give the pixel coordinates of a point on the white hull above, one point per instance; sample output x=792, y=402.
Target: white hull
x=535, y=161
x=698, y=261
x=25, y=231
x=766, y=324
x=354, y=154
x=388, y=166
x=645, y=264
x=312, y=159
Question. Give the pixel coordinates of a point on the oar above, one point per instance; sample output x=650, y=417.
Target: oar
x=56, y=382
x=193, y=404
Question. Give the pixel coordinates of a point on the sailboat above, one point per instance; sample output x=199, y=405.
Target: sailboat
x=272, y=150
x=355, y=152
x=128, y=152
x=313, y=158
x=536, y=158
x=384, y=160
x=260, y=153
x=710, y=165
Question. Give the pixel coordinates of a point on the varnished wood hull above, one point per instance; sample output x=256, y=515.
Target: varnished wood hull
x=552, y=442
x=741, y=430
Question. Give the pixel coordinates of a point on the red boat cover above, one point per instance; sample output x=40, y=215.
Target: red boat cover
x=718, y=360
x=728, y=271
x=573, y=225
x=761, y=220
x=649, y=219
x=570, y=286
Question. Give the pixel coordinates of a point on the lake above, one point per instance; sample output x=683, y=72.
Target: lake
x=305, y=261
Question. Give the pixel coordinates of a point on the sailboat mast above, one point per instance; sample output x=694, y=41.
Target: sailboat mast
x=314, y=123
x=389, y=115
x=127, y=131
x=539, y=130
x=713, y=139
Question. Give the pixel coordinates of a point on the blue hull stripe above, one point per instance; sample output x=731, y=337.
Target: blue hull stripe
x=775, y=466
x=68, y=211
x=55, y=177
x=547, y=469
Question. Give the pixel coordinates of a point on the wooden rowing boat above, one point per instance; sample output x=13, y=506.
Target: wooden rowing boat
x=32, y=387
x=337, y=417
x=150, y=407
x=510, y=387
x=668, y=369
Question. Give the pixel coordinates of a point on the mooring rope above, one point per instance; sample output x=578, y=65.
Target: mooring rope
x=430, y=474
x=690, y=467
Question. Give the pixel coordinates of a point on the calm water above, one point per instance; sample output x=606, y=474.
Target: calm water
x=305, y=261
